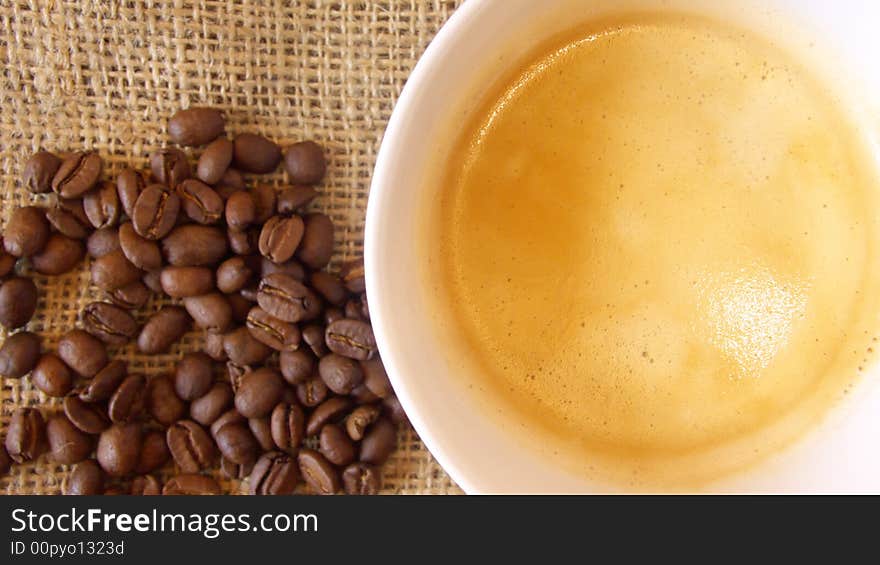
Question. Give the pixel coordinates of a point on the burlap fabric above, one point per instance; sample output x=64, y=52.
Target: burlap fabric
x=106, y=75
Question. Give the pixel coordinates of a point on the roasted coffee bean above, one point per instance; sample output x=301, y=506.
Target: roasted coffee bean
x=86, y=479
x=287, y=299
x=200, y=202
x=26, y=435
x=128, y=402
x=66, y=223
x=214, y=347
x=210, y=312
x=313, y=336
x=67, y=444
x=351, y=338
x=330, y=287
x=191, y=484
x=195, y=126
x=234, y=470
x=52, y=376
x=353, y=309
x=339, y=373
x=296, y=366
x=231, y=181
x=39, y=170
x=240, y=307
x=194, y=246
x=244, y=242
x=190, y=446
x=316, y=247
x=155, y=212
x=131, y=296
x=243, y=349
x=154, y=452
x=151, y=280
x=379, y=442
x=142, y=252
x=241, y=210
x=291, y=199
x=305, y=162
x=77, y=174
x=288, y=425
x=18, y=302
x=280, y=237
x=214, y=161
x=7, y=261
x=277, y=334
x=113, y=271
x=237, y=443
x=360, y=419
x=193, y=376
x=104, y=384
x=258, y=393
x=329, y=410
x=262, y=430
x=60, y=255
x=208, y=407
x=318, y=473
x=129, y=185
x=101, y=242
x=87, y=417
x=361, y=478
x=255, y=154
x=352, y=275
x=163, y=329
x=265, y=200
x=19, y=354
x=376, y=378
x=180, y=282
x=362, y=395
x=233, y=274
x=291, y=268
x=146, y=485
x=163, y=404
x=170, y=167
x=336, y=446
x=394, y=410
x=27, y=231
x=231, y=416
x=102, y=205
x=311, y=392
x=82, y=352
x=249, y=293
x=274, y=473
x=332, y=314
x=111, y=324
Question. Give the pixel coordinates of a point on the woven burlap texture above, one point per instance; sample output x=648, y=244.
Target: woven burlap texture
x=107, y=75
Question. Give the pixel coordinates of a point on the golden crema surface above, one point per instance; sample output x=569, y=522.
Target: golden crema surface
x=656, y=240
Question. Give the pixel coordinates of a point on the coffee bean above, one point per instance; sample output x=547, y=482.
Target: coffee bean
x=67, y=444
x=214, y=347
x=82, y=352
x=210, y=312
x=111, y=324
x=331, y=314
x=195, y=126
x=244, y=242
x=87, y=417
x=208, y=407
x=26, y=435
x=277, y=334
x=379, y=442
x=336, y=446
x=351, y=338
x=316, y=247
x=265, y=200
x=151, y=280
x=362, y=395
x=231, y=416
x=127, y=403
x=376, y=378
x=235, y=471
x=241, y=210
x=155, y=212
x=296, y=366
x=361, y=478
x=101, y=242
x=240, y=306
x=154, y=452
x=113, y=271
x=193, y=376
x=287, y=299
x=258, y=393
x=86, y=479
x=7, y=261
x=194, y=246
x=105, y=382
x=163, y=329
x=27, y=231
x=67, y=223
x=60, y=255
x=305, y=162
x=311, y=392
x=190, y=446
x=169, y=167
x=102, y=205
x=163, y=404
x=52, y=376
x=360, y=419
x=274, y=473
x=191, y=484
x=243, y=349
x=143, y=253
x=318, y=473
x=262, y=430
x=292, y=199
x=129, y=185
x=330, y=287
x=352, y=275
x=233, y=274
x=231, y=181
x=77, y=174
x=19, y=354
x=291, y=268
x=214, y=161
x=39, y=170
x=255, y=154
x=313, y=336
x=200, y=202
x=339, y=373
x=237, y=443
x=288, y=425
x=280, y=237
x=146, y=485
x=18, y=302
x=328, y=411
x=180, y=282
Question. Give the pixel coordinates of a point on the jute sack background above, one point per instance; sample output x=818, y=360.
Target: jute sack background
x=106, y=76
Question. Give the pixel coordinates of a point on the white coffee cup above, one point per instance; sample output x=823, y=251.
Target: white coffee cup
x=483, y=40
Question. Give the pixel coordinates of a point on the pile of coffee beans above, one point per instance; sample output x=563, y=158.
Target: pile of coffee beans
x=288, y=389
